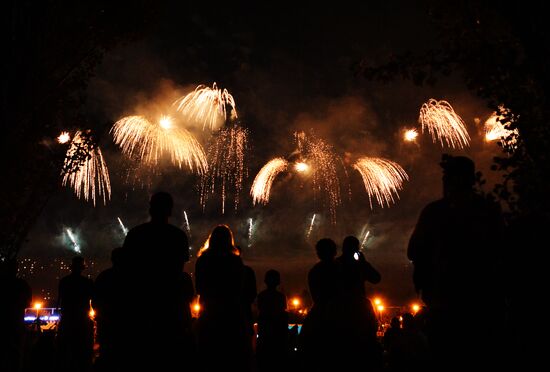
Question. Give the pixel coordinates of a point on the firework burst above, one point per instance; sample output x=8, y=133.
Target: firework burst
x=261, y=187
x=410, y=135
x=495, y=129
x=442, y=122
x=85, y=170
x=149, y=141
x=208, y=106
x=64, y=137
x=382, y=179
x=227, y=168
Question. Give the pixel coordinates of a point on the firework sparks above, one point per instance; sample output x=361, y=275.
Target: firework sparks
x=124, y=229
x=85, y=170
x=301, y=167
x=364, y=242
x=410, y=135
x=443, y=123
x=227, y=168
x=250, y=227
x=64, y=137
x=495, y=129
x=76, y=246
x=382, y=178
x=311, y=225
x=208, y=106
x=261, y=187
x=187, y=226
x=148, y=141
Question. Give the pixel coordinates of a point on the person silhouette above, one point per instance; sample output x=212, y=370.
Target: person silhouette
x=318, y=336
x=273, y=330
x=223, y=333
x=15, y=296
x=75, y=333
x=455, y=250
x=156, y=253
x=250, y=292
x=357, y=323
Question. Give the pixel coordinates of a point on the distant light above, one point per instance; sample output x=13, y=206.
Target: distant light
x=410, y=135
x=64, y=137
x=377, y=301
x=38, y=305
x=380, y=307
x=301, y=167
x=165, y=122
x=295, y=301
x=197, y=307
x=415, y=307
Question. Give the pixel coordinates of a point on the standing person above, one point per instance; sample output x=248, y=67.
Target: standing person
x=357, y=325
x=76, y=329
x=156, y=252
x=220, y=282
x=250, y=292
x=15, y=296
x=318, y=331
x=273, y=331
x=455, y=249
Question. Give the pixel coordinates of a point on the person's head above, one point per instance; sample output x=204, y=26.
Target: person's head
x=272, y=278
x=160, y=205
x=395, y=322
x=220, y=241
x=78, y=264
x=350, y=245
x=118, y=256
x=458, y=174
x=326, y=249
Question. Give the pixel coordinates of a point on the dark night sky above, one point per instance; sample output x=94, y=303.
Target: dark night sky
x=289, y=68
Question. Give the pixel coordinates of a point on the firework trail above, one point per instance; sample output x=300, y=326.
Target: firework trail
x=250, y=226
x=76, y=247
x=382, y=178
x=261, y=187
x=149, y=141
x=187, y=226
x=227, y=169
x=495, y=129
x=207, y=105
x=322, y=161
x=85, y=170
x=311, y=225
x=444, y=124
x=364, y=242
x=124, y=229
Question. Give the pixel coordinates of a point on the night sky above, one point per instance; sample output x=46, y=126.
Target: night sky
x=289, y=69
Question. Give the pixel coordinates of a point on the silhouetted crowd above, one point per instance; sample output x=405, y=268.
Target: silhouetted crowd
x=455, y=249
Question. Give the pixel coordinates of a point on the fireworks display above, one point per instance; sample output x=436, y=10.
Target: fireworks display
x=495, y=129
x=261, y=187
x=85, y=170
x=250, y=227
x=382, y=179
x=64, y=137
x=150, y=141
x=208, y=106
x=187, y=226
x=311, y=226
x=443, y=124
x=227, y=169
x=122, y=227
x=410, y=135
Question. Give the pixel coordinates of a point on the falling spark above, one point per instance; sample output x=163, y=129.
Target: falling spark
x=124, y=229
x=148, y=141
x=227, y=169
x=64, y=137
x=410, y=135
x=250, y=226
x=261, y=187
x=76, y=247
x=85, y=170
x=495, y=129
x=444, y=124
x=365, y=238
x=207, y=105
x=187, y=226
x=382, y=178
x=311, y=225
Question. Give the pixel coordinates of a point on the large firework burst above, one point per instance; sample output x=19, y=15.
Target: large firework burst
x=261, y=187
x=227, y=155
x=442, y=122
x=382, y=179
x=85, y=170
x=208, y=106
x=150, y=141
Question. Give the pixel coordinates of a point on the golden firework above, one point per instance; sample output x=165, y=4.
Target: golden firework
x=208, y=106
x=442, y=122
x=150, y=141
x=495, y=129
x=261, y=187
x=382, y=179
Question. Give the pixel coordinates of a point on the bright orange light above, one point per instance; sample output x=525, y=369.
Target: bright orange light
x=410, y=135
x=64, y=137
x=197, y=307
x=296, y=301
x=37, y=305
x=301, y=167
x=415, y=307
x=92, y=313
x=380, y=308
x=377, y=301
x=165, y=122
